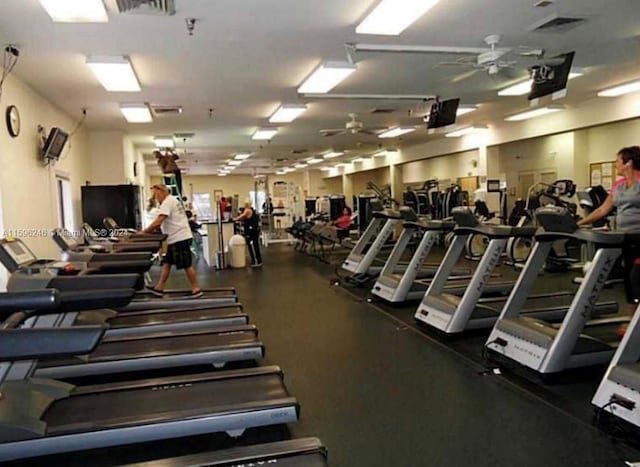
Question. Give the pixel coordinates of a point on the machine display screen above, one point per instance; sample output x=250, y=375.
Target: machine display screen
x=19, y=254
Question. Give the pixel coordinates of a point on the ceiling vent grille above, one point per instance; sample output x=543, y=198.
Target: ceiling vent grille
x=162, y=110
x=557, y=24
x=147, y=7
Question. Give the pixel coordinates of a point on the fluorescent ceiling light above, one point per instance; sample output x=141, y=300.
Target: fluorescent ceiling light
x=341, y=164
x=115, y=73
x=300, y=165
x=222, y=174
x=620, y=90
x=325, y=168
x=164, y=141
x=234, y=163
x=281, y=172
x=136, y=113
x=76, y=11
x=358, y=159
x=533, y=113
x=242, y=156
x=466, y=131
x=288, y=170
x=326, y=77
x=287, y=113
x=332, y=154
x=391, y=17
x=395, y=132
x=224, y=171
x=315, y=160
x=265, y=133
x=524, y=87
x=465, y=109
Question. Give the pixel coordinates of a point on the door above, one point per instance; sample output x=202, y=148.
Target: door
x=525, y=181
x=548, y=177
x=65, y=203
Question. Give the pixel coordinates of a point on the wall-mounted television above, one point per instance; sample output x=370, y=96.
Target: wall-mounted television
x=54, y=144
x=551, y=77
x=443, y=113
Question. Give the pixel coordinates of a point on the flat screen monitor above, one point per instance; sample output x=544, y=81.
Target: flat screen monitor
x=443, y=113
x=493, y=186
x=551, y=78
x=54, y=144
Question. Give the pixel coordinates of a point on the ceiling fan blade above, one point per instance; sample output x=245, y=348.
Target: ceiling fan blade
x=463, y=76
x=332, y=132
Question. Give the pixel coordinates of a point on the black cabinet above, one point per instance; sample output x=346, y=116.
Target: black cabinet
x=122, y=202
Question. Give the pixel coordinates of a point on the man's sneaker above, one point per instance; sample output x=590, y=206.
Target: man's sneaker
x=259, y=265
x=196, y=294
x=154, y=291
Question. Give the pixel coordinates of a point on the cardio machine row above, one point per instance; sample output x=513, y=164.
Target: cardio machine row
x=546, y=333
x=92, y=361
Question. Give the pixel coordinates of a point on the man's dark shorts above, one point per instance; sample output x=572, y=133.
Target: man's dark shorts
x=179, y=254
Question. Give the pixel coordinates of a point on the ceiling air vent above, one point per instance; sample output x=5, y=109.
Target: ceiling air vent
x=183, y=135
x=382, y=111
x=147, y=7
x=161, y=110
x=557, y=24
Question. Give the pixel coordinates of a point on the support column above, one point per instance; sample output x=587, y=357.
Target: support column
x=347, y=190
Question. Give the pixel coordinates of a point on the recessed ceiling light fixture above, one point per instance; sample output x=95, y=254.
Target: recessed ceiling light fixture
x=234, y=163
x=395, y=132
x=76, y=11
x=265, y=133
x=332, y=154
x=164, y=141
x=534, y=113
x=241, y=156
x=620, y=90
x=326, y=77
x=465, y=109
x=391, y=17
x=466, y=131
x=315, y=160
x=136, y=113
x=300, y=165
x=115, y=73
x=287, y=113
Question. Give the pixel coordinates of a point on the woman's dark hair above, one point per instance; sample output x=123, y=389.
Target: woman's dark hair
x=631, y=153
x=189, y=214
x=348, y=209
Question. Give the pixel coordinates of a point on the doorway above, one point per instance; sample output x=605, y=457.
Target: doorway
x=65, y=203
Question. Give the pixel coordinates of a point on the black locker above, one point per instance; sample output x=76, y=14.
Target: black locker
x=122, y=202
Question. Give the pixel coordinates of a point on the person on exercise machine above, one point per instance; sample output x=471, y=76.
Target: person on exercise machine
x=173, y=222
x=625, y=196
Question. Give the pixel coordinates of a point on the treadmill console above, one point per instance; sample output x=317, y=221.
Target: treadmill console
x=14, y=254
x=464, y=217
x=408, y=214
x=556, y=219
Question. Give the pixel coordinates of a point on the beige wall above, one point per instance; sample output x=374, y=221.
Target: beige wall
x=446, y=168
x=27, y=186
x=331, y=185
x=107, y=153
x=359, y=180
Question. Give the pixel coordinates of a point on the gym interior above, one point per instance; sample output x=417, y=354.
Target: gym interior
x=427, y=294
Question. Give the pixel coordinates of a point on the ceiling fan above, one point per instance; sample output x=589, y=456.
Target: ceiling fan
x=491, y=61
x=352, y=127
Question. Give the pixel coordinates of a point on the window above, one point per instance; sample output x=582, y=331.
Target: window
x=65, y=203
x=202, y=206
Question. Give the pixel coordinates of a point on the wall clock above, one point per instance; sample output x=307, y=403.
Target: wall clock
x=13, y=120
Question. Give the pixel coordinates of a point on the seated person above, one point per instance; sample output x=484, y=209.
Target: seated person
x=343, y=223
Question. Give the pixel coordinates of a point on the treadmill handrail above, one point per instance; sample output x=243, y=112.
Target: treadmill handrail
x=10, y=302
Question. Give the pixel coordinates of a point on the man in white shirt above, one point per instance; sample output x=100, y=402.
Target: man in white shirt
x=173, y=222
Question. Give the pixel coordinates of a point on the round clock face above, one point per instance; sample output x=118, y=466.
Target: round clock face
x=13, y=121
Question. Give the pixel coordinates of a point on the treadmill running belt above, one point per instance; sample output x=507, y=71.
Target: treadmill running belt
x=123, y=320
x=184, y=344
x=137, y=406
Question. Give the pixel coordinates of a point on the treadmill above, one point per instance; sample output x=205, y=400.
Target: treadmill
x=40, y=417
x=451, y=314
x=30, y=273
x=128, y=354
x=619, y=390
x=395, y=285
x=364, y=253
x=305, y=452
x=579, y=340
x=111, y=243
x=74, y=251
